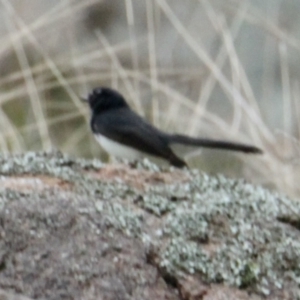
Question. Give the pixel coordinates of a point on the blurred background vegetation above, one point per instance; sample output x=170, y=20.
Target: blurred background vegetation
x=225, y=69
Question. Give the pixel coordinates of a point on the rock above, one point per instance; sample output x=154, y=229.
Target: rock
x=80, y=229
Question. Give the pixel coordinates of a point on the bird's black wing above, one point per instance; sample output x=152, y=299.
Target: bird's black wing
x=128, y=128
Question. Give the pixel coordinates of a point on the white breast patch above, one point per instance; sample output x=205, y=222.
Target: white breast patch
x=118, y=150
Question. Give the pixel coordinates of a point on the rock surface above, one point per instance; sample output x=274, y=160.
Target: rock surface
x=78, y=229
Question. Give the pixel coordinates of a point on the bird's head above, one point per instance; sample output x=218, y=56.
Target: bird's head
x=102, y=99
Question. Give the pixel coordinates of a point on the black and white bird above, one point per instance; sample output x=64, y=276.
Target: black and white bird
x=123, y=133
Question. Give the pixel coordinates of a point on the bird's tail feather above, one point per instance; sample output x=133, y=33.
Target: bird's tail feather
x=208, y=143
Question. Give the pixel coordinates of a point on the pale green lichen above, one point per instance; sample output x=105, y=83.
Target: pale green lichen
x=252, y=248
x=63, y=167
x=221, y=229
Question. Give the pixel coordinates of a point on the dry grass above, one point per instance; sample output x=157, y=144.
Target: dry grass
x=49, y=60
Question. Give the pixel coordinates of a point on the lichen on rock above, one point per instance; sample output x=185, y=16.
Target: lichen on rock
x=82, y=223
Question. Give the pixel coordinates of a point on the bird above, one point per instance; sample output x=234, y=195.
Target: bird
x=123, y=133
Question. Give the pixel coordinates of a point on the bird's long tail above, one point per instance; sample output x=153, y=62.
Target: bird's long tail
x=208, y=143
